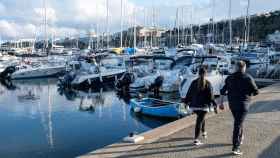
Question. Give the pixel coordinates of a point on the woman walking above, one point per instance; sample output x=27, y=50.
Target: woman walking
x=200, y=97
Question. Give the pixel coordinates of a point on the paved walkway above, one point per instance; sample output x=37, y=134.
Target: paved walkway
x=262, y=134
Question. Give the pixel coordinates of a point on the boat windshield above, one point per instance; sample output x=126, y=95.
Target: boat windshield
x=111, y=62
x=250, y=55
x=211, y=63
x=182, y=62
x=163, y=64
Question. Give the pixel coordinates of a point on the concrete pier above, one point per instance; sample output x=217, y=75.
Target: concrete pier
x=262, y=136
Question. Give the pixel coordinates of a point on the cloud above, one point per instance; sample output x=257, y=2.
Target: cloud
x=11, y=30
x=92, y=12
x=23, y=18
x=50, y=14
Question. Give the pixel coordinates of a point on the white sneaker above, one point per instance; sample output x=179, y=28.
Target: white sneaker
x=237, y=152
x=204, y=135
x=197, y=142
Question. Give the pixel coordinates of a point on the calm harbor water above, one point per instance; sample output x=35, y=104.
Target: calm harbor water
x=40, y=120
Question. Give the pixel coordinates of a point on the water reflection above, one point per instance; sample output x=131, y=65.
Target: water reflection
x=39, y=119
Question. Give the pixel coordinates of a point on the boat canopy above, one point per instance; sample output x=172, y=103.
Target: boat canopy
x=130, y=51
x=117, y=50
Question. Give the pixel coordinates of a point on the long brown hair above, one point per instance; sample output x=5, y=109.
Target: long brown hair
x=202, y=82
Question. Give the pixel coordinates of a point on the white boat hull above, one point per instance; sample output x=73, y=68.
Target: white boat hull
x=217, y=82
x=37, y=72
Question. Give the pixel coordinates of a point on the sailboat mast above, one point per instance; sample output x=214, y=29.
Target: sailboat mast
x=248, y=22
x=145, y=25
x=183, y=26
x=191, y=25
x=230, y=23
x=90, y=39
x=97, y=27
x=170, y=35
x=121, y=23
x=153, y=26
x=213, y=22
x=107, y=23
x=134, y=21
x=45, y=26
x=177, y=25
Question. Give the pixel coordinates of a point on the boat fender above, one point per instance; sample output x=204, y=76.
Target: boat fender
x=100, y=78
x=137, y=109
x=89, y=81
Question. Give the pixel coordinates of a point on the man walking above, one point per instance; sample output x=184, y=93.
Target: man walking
x=239, y=87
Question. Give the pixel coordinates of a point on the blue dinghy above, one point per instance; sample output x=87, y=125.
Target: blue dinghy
x=157, y=108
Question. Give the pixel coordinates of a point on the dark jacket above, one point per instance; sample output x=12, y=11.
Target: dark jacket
x=239, y=87
x=200, y=98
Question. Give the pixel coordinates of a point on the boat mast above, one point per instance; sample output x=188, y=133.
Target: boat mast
x=45, y=27
x=177, y=25
x=191, y=25
x=77, y=40
x=97, y=27
x=157, y=43
x=248, y=22
x=107, y=23
x=213, y=22
x=145, y=25
x=90, y=39
x=230, y=23
x=170, y=34
x=121, y=23
x=153, y=26
x=183, y=25
x=135, y=34
x=97, y=36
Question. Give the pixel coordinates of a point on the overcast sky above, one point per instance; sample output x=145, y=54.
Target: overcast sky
x=24, y=18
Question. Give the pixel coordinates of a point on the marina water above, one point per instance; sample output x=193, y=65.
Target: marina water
x=40, y=120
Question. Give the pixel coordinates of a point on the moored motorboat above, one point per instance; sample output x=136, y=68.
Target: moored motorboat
x=213, y=74
x=27, y=71
x=85, y=74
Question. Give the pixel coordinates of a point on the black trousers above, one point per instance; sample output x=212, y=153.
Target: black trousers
x=239, y=118
x=200, y=122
